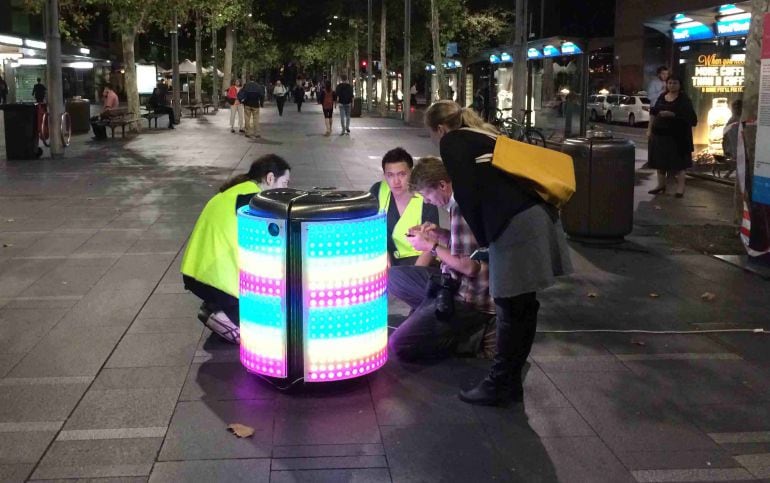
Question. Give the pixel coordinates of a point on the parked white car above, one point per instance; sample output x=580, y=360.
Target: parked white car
x=629, y=109
x=597, y=107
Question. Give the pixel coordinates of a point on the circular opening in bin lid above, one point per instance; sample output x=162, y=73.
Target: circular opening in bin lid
x=334, y=205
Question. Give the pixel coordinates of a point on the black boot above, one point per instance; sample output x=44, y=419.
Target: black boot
x=516, y=328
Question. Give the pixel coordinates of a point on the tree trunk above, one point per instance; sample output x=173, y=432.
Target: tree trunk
x=228, y=67
x=385, y=91
x=519, y=87
x=128, y=38
x=198, y=57
x=760, y=214
x=214, y=72
x=54, y=75
x=437, y=54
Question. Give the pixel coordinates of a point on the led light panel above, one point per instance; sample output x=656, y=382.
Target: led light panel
x=345, y=305
x=262, y=263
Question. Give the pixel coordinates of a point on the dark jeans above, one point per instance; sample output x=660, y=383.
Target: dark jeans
x=299, y=106
x=214, y=297
x=422, y=335
x=166, y=110
x=280, y=101
x=3, y=97
x=516, y=328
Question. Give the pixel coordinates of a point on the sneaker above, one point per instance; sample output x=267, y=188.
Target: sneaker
x=232, y=130
x=220, y=324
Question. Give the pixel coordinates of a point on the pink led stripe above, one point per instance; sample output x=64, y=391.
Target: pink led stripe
x=349, y=370
x=349, y=295
x=262, y=365
x=250, y=283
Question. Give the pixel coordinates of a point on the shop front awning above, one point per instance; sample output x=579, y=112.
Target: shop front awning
x=726, y=20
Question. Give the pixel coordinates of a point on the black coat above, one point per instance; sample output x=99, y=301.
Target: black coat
x=488, y=197
x=680, y=126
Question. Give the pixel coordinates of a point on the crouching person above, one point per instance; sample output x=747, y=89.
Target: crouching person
x=452, y=305
x=210, y=262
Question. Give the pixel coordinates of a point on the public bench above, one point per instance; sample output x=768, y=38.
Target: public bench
x=117, y=118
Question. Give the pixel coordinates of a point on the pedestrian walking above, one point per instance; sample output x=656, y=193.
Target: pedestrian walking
x=299, y=96
x=236, y=108
x=3, y=91
x=344, y=93
x=251, y=96
x=527, y=248
x=413, y=94
x=670, y=135
x=328, y=99
x=279, y=92
x=39, y=91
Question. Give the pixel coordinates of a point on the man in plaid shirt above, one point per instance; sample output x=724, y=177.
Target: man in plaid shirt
x=427, y=332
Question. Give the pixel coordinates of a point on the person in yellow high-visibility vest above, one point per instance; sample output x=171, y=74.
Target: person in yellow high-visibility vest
x=404, y=208
x=210, y=263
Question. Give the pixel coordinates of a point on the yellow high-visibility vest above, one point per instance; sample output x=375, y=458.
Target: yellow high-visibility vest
x=211, y=256
x=412, y=216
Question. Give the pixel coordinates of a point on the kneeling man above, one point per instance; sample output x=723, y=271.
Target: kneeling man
x=450, y=305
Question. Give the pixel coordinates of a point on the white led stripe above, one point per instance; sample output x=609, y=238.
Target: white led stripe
x=265, y=341
x=325, y=351
x=266, y=266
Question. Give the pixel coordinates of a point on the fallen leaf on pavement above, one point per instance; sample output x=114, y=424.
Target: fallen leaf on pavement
x=241, y=430
x=7, y=245
x=592, y=295
x=10, y=220
x=658, y=207
x=638, y=342
x=653, y=295
x=708, y=296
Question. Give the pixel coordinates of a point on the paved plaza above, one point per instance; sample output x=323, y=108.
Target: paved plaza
x=107, y=375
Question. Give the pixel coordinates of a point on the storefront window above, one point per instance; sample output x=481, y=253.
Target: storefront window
x=556, y=96
x=712, y=74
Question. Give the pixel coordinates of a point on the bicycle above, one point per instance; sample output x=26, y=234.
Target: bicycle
x=65, y=132
x=523, y=132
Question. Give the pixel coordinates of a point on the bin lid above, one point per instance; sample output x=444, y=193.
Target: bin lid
x=598, y=142
x=314, y=204
x=334, y=205
x=18, y=106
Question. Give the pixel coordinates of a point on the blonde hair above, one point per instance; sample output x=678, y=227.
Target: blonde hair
x=451, y=115
x=428, y=173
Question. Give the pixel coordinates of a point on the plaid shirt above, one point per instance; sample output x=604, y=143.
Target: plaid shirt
x=462, y=243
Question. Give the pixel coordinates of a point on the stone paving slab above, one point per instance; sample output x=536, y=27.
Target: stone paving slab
x=106, y=374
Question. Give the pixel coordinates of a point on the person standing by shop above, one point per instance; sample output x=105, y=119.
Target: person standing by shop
x=413, y=94
x=527, y=247
x=299, y=96
x=39, y=91
x=657, y=86
x=344, y=92
x=670, y=135
x=251, y=96
x=279, y=92
x=328, y=99
x=3, y=90
x=235, y=105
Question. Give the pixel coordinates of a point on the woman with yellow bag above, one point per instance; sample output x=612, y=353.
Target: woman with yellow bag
x=527, y=248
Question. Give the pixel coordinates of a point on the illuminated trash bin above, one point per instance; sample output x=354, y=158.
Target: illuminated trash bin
x=313, y=279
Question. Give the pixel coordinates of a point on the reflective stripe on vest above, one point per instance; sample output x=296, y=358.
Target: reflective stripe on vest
x=211, y=256
x=412, y=216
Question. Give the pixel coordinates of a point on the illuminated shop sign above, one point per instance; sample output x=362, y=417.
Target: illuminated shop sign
x=494, y=59
x=505, y=57
x=534, y=54
x=717, y=75
x=688, y=31
x=551, y=51
x=734, y=25
x=569, y=48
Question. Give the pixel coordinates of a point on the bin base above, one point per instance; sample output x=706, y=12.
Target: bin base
x=587, y=240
